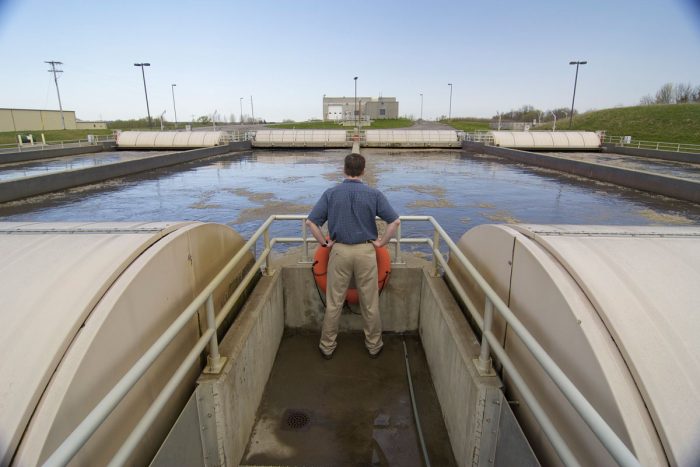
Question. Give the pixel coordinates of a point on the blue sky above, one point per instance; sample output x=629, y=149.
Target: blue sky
x=287, y=54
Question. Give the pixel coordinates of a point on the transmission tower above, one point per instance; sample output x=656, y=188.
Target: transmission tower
x=55, y=78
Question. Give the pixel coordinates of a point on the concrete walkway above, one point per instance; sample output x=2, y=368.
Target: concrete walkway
x=351, y=410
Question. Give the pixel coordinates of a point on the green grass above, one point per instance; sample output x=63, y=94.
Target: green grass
x=10, y=137
x=468, y=124
x=321, y=125
x=673, y=123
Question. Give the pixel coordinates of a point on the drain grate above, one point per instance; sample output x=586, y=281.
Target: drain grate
x=296, y=420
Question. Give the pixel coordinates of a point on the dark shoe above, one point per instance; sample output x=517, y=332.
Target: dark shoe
x=376, y=355
x=324, y=355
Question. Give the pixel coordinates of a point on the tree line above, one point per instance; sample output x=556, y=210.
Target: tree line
x=669, y=93
x=528, y=113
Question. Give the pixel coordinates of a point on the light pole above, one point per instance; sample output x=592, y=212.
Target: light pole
x=240, y=101
x=449, y=115
x=355, y=78
x=172, y=88
x=421, y=106
x=150, y=124
x=252, y=112
x=571, y=117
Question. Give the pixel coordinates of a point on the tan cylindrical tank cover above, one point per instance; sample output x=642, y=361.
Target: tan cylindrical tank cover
x=82, y=304
x=616, y=308
x=581, y=140
x=169, y=139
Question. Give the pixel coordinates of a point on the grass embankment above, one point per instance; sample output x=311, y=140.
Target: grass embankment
x=323, y=125
x=674, y=123
x=468, y=124
x=10, y=137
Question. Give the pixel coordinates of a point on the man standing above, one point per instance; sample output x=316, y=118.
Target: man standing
x=350, y=209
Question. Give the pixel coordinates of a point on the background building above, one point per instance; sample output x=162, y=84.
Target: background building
x=373, y=108
x=31, y=120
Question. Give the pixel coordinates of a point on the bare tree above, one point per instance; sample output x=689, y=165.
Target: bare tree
x=647, y=100
x=665, y=94
x=696, y=95
x=683, y=92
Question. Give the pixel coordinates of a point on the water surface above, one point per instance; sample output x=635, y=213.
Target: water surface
x=460, y=190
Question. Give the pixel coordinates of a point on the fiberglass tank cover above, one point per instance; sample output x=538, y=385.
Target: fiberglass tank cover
x=50, y=280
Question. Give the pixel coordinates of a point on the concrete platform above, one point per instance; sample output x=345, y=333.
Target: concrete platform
x=359, y=409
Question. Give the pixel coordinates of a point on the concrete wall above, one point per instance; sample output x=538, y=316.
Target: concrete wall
x=31, y=186
x=228, y=401
x=44, y=153
x=29, y=120
x=398, y=303
x=660, y=184
x=480, y=424
x=653, y=153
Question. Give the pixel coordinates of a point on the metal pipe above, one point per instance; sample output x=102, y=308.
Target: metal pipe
x=426, y=458
x=397, y=253
x=436, y=248
x=305, y=258
x=484, y=354
x=214, y=362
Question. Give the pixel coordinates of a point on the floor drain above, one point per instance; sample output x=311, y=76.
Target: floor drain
x=296, y=420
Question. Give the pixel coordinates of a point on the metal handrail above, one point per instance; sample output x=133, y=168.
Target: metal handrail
x=489, y=343
x=39, y=145
x=656, y=145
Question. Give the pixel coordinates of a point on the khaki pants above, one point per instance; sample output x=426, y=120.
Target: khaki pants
x=345, y=262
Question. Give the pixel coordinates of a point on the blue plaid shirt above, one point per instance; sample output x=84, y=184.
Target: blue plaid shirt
x=350, y=209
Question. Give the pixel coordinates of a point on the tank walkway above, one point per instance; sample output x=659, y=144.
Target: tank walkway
x=319, y=412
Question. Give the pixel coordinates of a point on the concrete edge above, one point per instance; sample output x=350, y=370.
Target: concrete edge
x=653, y=153
x=41, y=184
x=673, y=187
x=39, y=154
x=450, y=346
x=232, y=397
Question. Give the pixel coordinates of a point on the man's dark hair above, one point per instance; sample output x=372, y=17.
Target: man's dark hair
x=354, y=165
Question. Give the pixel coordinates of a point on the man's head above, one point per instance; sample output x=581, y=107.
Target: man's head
x=354, y=165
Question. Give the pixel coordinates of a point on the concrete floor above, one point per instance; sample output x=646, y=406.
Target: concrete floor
x=359, y=409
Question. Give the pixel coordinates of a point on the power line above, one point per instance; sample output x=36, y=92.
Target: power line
x=55, y=78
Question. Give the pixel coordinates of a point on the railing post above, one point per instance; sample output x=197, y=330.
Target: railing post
x=266, y=237
x=397, y=247
x=215, y=362
x=436, y=252
x=305, y=254
x=483, y=363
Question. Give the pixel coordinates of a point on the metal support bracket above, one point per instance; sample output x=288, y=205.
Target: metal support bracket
x=214, y=365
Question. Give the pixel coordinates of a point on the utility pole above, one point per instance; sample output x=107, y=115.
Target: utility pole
x=55, y=78
x=252, y=112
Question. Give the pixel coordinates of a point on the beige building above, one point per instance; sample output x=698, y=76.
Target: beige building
x=372, y=108
x=31, y=120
